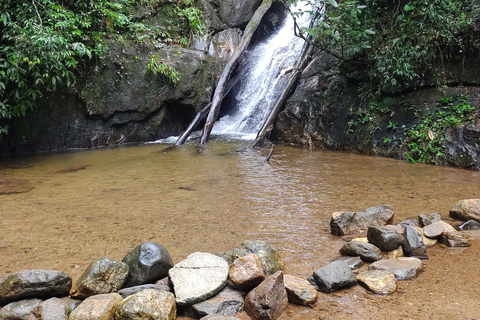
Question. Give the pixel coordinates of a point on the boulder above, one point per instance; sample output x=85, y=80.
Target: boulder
x=51, y=309
x=41, y=284
x=469, y=225
x=224, y=43
x=99, y=307
x=436, y=229
x=148, y=263
x=102, y=276
x=227, y=302
x=147, y=304
x=454, y=239
x=125, y=292
x=299, y=291
x=404, y=268
x=366, y=251
x=384, y=237
x=428, y=242
x=353, y=262
x=468, y=209
x=413, y=245
x=344, y=223
x=246, y=272
x=427, y=219
x=268, y=300
x=19, y=310
x=199, y=277
x=229, y=13
x=378, y=281
x=414, y=223
x=72, y=303
x=269, y=256
x=332, y=277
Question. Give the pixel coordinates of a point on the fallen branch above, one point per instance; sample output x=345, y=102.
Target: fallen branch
x=199, y=117
x=270, y=153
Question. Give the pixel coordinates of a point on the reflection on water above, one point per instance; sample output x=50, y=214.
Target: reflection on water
x=204, y=200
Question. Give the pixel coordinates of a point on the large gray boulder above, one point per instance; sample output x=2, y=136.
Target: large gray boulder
x=468, y=209
x=19, y=310
x=51, y=309
x=227, y=302
x=413, y=245
x=345, y=223
x=384, y=237
x=199, y=277
x=148, y=263
x=332, y=277
x=98, y=307
x=147, y=304
x=102, y=276
x=229, y=13
x=366, y=251
x=34, y=284
x=404, y=268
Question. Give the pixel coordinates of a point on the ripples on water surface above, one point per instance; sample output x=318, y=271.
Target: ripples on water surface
x=204, y=200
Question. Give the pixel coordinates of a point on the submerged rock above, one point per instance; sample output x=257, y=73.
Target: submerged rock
x=366, y=251
x=384, y=237
x=34, y=284
x=199, y=277
x=468, y=209
x=344, y=223
x=19, y=310
x=404, y=268
x=148, y=263
x=147, y=304
x=268, y=300
x=51, y=309
x=470, y=225
x=299, y=290
x=378, y=281
x=102, y=276
x=332, y=277
x=353, y=262
x=101, y=307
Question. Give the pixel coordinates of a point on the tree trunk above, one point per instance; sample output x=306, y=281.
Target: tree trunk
x=232, y=63
x=199, y=117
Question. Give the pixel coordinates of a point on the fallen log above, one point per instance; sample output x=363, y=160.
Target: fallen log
x=199, y=117
x=227, y=71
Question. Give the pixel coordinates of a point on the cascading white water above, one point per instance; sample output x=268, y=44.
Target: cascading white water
x=262, y=81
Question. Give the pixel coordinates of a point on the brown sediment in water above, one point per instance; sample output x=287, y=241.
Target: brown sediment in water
x=210, y=202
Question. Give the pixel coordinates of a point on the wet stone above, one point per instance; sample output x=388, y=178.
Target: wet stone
x=51, y=309
x=72, y=303
x=299, y=290
x=19, y=310
x=468, y=209
x=26, y=284
x=353, y=262
x=99, y=307
x=199, y=277
x=147, y=304
x=148, y=263
x=345, y=223
x=246, y=272
x=384, y=237
x=132, y=290
x=102, y=276
x=470, y=225
x=413, y=245
x=405, y=268
x=227, y=302
x=219, y=317
x=268, y=300
x=427, y=219
x=454, y=239
x=332, y=277
x=366, y=251
x=409, y=222
x=436, y=229
x=428, y=242
x=394, y=254
x=378, y=281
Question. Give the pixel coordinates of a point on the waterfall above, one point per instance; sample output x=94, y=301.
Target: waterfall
x=262, y=81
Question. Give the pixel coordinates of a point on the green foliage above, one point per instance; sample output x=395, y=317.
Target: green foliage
x=369, y=115
x=157, y=66
x=194, y=16
x=391, y=44
x=425, y=140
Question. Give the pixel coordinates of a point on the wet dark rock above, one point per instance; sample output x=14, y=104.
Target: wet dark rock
x=72, y=303
x=332, y=277
x=34, y=284
x=268, y=300
x=427, y=219
x=428, y=242
x=454, y=239
x=436, y=229
x=102, y=276
x=125, y=292
x=51, y=309
x=384, y=237
x=414, y=223
x=378, y=281
x=227, y=302
x=246, y=272
x=147, y=304
x=269, y=256
x=18, y=310
x=148, y=263
x=230, y=13
x=366, y=251
x=465, y=210
x=462, y=145
x=404, y=268
x=199, y=277
x=413, y=245
x=470, y=225
x=299, y=290
x=101, y=306
x=344, y=223
x=353, y=262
